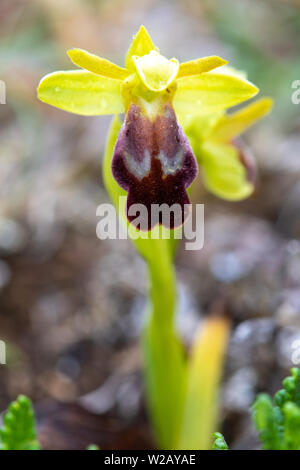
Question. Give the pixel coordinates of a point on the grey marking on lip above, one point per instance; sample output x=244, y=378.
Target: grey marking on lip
x=139, y=169
x=171, y=166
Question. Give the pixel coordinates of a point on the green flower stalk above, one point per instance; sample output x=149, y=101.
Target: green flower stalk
x=173, y=113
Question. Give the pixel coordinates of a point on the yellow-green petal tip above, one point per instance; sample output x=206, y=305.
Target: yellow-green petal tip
x=96, y=64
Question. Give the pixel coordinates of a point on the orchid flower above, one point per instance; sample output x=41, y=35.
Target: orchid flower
x=227, y=167
x=153, y=160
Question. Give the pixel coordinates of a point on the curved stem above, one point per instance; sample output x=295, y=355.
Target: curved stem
x=164, y=367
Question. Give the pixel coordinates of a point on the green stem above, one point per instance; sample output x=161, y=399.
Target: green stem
x=164, y=364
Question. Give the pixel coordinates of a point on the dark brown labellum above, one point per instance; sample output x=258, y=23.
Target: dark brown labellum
x=154, y=162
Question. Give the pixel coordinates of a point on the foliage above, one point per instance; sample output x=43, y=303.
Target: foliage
x=204, y=370
x=219, y=442
x=278, y=420
x=18, y=431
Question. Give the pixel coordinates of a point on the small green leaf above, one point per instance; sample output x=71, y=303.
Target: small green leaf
x=296, y=375
x=281, y=397
x=291, y=426
x=219, y=442
x=18, y=431
x=278, y=423
x=269, y=423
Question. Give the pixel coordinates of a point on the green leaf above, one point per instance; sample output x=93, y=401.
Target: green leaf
x=81, y=92
x=292, y=386
x=203, y=377
x=291, y=426
x=279, y=424
x=18, y=431
x=269, y=423
x=290, y=391
x=219, y=442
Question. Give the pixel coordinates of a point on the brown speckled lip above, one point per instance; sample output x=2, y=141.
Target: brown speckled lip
x=154, y=162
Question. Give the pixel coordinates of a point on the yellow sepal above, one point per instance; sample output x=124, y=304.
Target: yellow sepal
x=197, y=66
x=232, y=125
x=141, y=45
x=82, y=92
x=98, y=65
x=211, y=92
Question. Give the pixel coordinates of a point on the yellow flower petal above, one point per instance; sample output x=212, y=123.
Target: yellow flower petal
x=195, y=67
x=95, y=64
x=211, y=92
x=155, y=71
x=141, y=45
x=223, y=172
x=232, y=125
x=82, y=92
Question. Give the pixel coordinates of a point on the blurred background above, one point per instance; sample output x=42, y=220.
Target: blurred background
x=71, y=306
